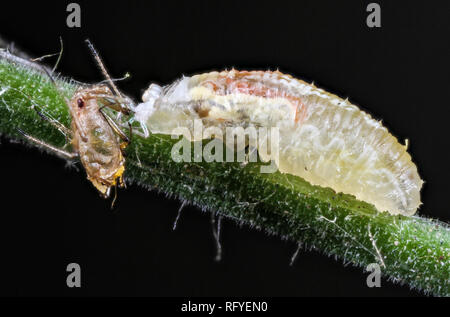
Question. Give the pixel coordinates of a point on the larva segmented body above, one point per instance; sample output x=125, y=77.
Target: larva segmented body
x=323, y=138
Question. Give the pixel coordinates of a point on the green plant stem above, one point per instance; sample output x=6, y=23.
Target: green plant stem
x=410, y=250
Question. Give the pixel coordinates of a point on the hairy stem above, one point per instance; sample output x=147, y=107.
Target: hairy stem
x=410, y=250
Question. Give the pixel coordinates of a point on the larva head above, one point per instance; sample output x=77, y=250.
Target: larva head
x=160, y=113
x=149, y=98
x=152, y=93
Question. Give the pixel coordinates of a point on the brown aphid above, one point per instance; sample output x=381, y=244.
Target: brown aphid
x=95, y=138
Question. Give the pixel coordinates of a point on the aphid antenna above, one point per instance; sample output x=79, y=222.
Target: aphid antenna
x=102, y=67
x=51, y=55
x=126, y=76
x=123, y=101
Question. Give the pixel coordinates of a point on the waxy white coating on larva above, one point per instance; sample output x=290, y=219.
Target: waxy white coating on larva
x=323, y=138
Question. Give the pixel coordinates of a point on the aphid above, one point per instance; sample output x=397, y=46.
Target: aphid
x=324, y=139
x=95, y=138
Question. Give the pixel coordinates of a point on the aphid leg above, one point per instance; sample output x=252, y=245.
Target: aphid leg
x=65, y=154
x=59, y=56
x=294, y=256
x=117, y=103
x=116, y=129
x=110, y=101
x=216, y=234
x=178, y=215
x=55, y=123
x=61, y=128
x=115, y=197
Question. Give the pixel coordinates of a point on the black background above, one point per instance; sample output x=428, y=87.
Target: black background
x=52, y=216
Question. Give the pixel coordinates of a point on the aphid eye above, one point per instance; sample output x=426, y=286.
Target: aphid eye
x=80, y=103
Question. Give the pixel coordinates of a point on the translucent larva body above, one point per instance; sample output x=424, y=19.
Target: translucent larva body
x=323, y=138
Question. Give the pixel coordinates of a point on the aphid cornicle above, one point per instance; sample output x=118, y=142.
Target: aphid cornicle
x=322, y=138
x=95, y=138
